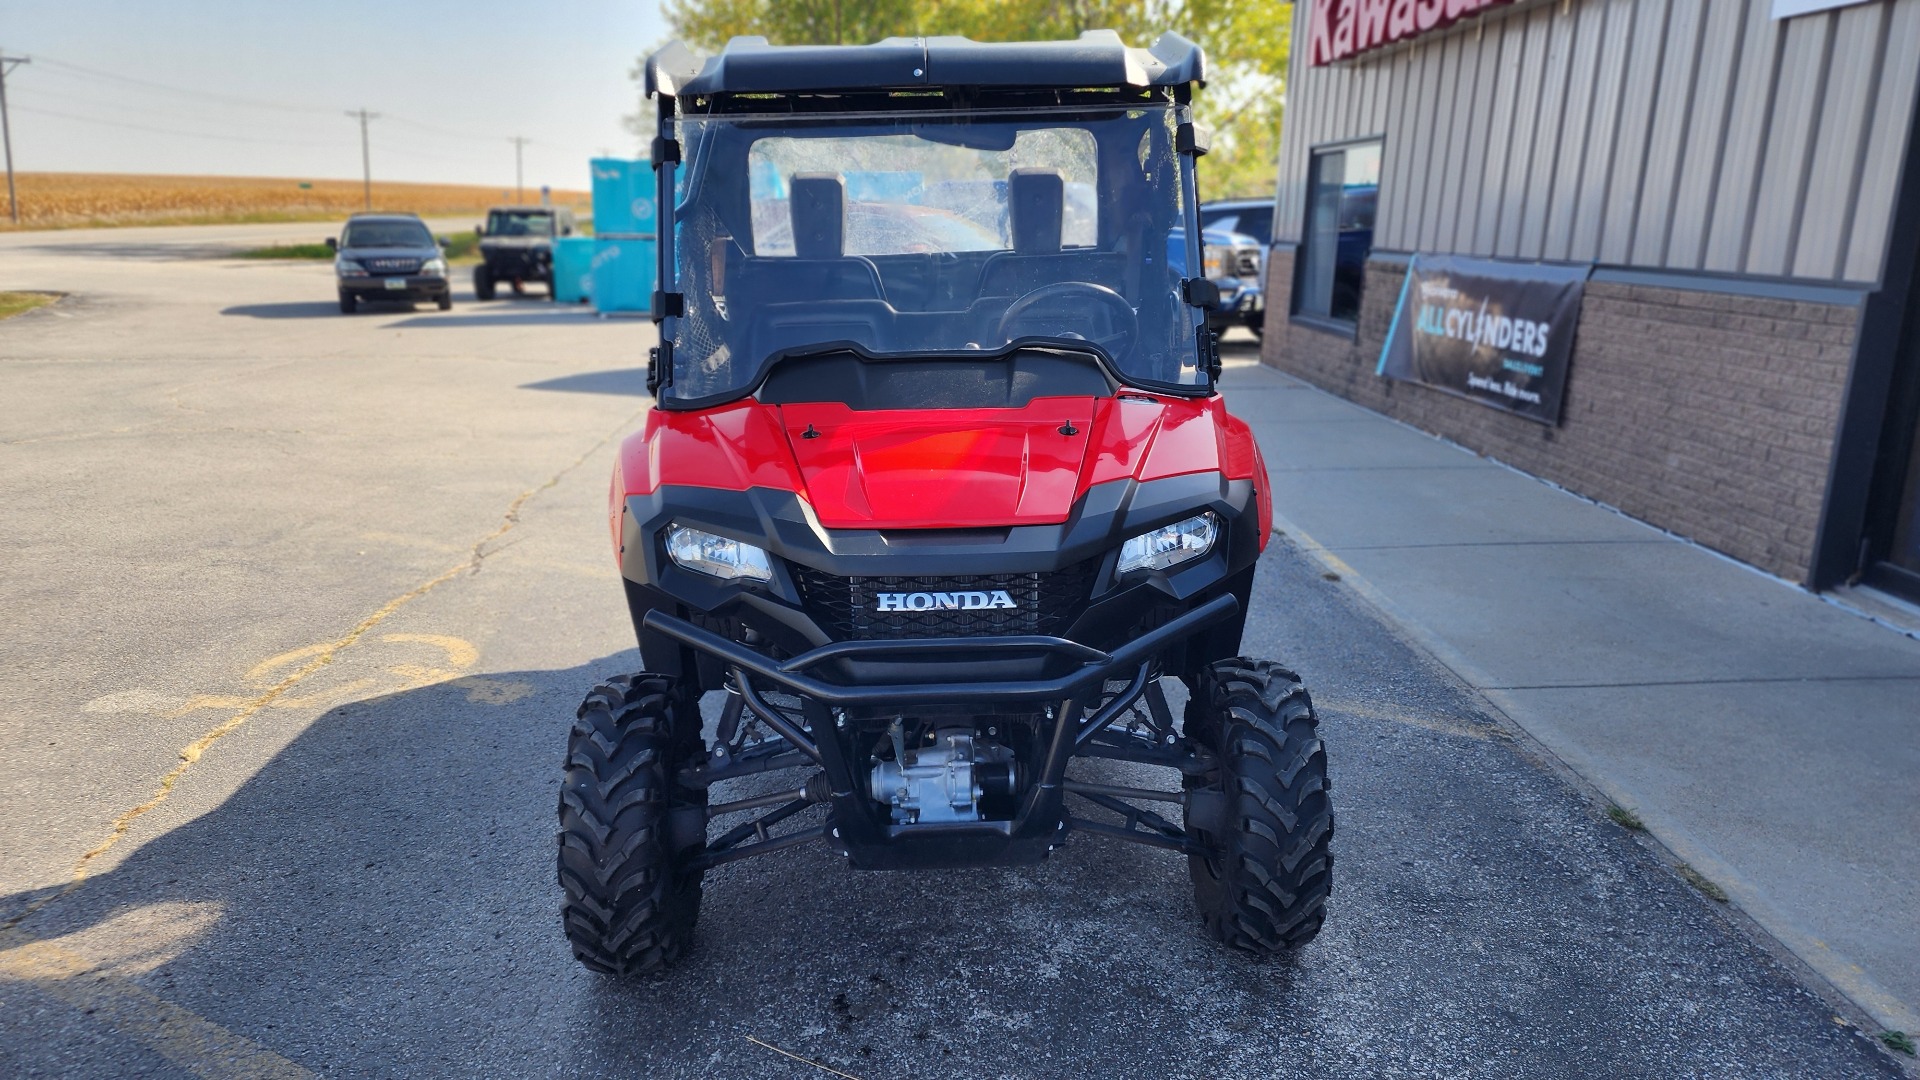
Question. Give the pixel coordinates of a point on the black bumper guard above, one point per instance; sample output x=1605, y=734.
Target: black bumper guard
x=792, y=674
x=874, y=844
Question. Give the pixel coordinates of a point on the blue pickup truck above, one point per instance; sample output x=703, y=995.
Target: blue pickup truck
x=1237, y=264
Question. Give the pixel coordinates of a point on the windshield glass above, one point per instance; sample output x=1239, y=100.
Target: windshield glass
x=910, y=235
x=379, y=234
x=519, y=223
x=1257, y=223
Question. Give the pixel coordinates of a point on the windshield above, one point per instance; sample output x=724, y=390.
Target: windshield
x=386, y=234
x=1257, y=223
x=910, y=235
x=517, y=223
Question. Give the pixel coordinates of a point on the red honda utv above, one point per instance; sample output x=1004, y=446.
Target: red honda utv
x=936, y=494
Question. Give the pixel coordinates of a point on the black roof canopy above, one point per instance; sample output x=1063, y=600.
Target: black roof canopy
x=1098, y=58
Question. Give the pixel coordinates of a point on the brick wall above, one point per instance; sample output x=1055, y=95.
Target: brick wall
x=1707, y=414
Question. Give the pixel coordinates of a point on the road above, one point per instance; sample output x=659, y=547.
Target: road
x=299, y=609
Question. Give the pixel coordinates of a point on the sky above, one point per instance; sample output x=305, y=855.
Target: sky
x=262, y=87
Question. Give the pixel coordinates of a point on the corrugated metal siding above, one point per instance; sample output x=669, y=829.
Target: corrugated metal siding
x=1669, y=134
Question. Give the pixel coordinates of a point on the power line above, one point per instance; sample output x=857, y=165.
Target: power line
x=173, y=131
x=62, y=66
x=72, y=70
x=444, y=132
x=7, y=64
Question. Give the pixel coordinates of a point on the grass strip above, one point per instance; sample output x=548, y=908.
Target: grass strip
x=1625, y=818
x=15, y=303
x=289, y=251
x=1701, y=882
x=461, y=247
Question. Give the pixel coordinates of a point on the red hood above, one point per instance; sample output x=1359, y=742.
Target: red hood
x=937, y=468
x=940, y=468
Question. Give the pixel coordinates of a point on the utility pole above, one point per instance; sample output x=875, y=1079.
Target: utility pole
x=366, y=157
x=8, y=63
x=519, y=184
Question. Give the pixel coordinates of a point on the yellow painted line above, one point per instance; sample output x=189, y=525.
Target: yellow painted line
x=128, y=1009
x=461, y=654
x=318, y=657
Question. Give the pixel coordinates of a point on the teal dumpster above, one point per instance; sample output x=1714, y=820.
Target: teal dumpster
x=573, y=269
x=622, y=197
x=623, y=272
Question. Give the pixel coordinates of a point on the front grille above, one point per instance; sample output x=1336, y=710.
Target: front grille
x=1247, y=263
x=1044, y=603
x=392, y=265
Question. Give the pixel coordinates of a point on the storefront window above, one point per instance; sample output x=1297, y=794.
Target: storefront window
x=1343, y=189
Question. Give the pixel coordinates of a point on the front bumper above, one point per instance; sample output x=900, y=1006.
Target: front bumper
x=1241, y=302
x=1121, y=630
x=518, y=265
x=862, y=832
x=1086, y=666
x=395, y=288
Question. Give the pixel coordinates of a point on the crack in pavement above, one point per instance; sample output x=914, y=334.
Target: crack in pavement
x=195, y=750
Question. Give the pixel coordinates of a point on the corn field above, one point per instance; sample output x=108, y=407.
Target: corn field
x=70, y=200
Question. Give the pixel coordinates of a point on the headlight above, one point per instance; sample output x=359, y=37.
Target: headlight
x=348, y=268
x=717, y=556
x=434, y=268
x=1169, y=545
x=1217, y=260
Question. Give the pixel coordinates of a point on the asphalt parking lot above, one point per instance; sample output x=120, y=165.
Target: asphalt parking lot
x=300, y=606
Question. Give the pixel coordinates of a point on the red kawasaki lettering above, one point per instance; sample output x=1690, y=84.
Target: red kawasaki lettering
x=1400, y=21
x=1319, y=41
x=1343, y=29
x=1371, y=30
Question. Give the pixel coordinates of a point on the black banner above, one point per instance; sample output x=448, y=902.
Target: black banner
x=1500, y=333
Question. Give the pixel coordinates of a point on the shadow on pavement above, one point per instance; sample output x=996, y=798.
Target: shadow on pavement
x=628, y=381
x=379, y=900
x=485, y=315
x=122, y=250
x=302, y=309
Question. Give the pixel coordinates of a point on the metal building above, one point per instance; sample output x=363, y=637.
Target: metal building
x=1743, y=177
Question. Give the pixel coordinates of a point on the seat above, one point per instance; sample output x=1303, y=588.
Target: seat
x=1036, y=208
x=819, y=269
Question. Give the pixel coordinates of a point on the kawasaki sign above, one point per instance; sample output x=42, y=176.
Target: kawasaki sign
x=1345, y=28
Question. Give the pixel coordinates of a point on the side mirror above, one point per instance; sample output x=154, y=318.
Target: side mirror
x=1201, y=293
x=479, y=230
x=443, y=241
x=332, y=244
x=566, y=230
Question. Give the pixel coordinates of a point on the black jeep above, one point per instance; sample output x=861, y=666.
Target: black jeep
x=516, y=246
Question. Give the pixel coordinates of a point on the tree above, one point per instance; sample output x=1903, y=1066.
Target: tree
x=1247, y=43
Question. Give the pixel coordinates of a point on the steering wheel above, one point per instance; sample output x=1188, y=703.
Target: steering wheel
x=1125, y=321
